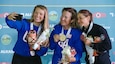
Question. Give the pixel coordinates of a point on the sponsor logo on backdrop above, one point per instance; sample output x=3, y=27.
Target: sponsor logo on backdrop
x=3, y=15
x=112, y=14
x=112, y=39
x=106, y=26
x=53, y=15
x=6, y=51
x=112, y=62
x=5, y=63
x=26, y=14
x=99, y=15
x=0, y=26
x=6, y=39
x=3, y=26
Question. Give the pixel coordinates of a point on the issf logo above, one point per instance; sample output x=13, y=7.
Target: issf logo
x=99, y=15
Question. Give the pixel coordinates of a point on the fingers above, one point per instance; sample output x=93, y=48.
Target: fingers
x=45, y=43
x=38, y=48
x=82, y=37
x=86, y=40
x=56, y=37
x=12, y=16
x=97, y=39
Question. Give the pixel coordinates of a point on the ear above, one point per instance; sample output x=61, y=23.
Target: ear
x=89, y=18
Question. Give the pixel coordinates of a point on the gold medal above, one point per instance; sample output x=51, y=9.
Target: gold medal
x=62, y=37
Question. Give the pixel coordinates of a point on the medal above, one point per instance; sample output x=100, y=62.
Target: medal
x=62, y=37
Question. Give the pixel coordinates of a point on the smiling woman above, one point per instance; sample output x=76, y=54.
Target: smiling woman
x=103, y=13
x=64, y=39
x=95, y=38
x=28, y=33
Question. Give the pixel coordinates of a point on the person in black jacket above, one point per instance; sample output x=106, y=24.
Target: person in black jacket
x=96, y=39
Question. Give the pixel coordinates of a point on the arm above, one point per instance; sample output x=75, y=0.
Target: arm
x=79, y=47
x=105, y=40
x=13, y=23
x=52, y=44
x=42, y=51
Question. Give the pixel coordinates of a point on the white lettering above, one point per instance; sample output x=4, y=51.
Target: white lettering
x=6, y=51
x=112, y=14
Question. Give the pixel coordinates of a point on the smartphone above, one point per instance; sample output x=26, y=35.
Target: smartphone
x=19, y=17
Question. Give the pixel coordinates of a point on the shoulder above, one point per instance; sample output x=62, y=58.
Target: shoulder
x=58, y=27
x=76, y=31
x=99, y=26
x=25, y=21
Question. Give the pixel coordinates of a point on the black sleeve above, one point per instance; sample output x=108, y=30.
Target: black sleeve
x=105, y=44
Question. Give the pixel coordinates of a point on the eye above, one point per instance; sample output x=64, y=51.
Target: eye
x=33, y=32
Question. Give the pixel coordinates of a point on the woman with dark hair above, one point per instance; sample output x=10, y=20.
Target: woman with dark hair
x=96, y=39
x=29, y=32
x=65, y=39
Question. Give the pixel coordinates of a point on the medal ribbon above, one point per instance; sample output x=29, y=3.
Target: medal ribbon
x=68, y=32
x=90, y=27
x=65, y=43
x=32, y=27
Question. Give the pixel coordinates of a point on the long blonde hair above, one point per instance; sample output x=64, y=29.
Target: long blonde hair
x=42, y=23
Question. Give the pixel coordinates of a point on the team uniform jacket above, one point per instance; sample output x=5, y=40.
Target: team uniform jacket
x=102, y=47
x=21, y=47
x=74, y=42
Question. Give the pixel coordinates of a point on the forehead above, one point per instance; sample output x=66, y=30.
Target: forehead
x=80, y=15
x=67, y=13
x=39, y=10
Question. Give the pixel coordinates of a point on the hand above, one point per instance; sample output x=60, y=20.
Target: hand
x=56, y=37
x=12, y=16
x=82, y=37
x=38, y=48
x=97, y=39
x=95, y=53
x=72, y=59
x=45, y=43
x=85, y=40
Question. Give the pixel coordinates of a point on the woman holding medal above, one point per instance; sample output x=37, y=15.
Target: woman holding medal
x=28, y=32
x=65, y=39
x=96, y=39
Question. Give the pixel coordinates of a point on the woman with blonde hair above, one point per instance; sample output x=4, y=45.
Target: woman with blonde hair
x=28, y=33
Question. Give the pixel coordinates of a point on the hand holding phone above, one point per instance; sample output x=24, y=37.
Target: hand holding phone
x=18, y=17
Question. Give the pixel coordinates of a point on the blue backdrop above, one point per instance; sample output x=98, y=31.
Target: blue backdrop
x=103, y=13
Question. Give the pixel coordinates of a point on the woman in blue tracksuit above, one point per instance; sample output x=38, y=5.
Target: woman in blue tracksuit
x=21, y=49
x=66, y=27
